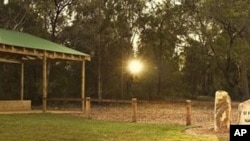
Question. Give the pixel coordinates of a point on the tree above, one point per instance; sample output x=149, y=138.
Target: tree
x=161, y=31
x=55, y=14
x=222, y=30
x=234, y=21
x=200, y=68
x=103, y=28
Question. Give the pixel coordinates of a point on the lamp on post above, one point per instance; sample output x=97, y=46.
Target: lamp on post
x=135, y=66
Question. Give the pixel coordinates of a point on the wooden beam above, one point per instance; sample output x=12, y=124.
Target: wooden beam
x=39, y=53
x=9, y=60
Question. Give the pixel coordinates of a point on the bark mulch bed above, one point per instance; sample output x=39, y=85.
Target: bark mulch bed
x=164, y=112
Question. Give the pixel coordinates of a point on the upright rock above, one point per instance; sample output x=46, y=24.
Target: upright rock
x=222, y=111
x=244, y=113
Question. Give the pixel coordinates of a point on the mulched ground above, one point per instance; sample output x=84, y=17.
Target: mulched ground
x=202, y=117
x=159, y=112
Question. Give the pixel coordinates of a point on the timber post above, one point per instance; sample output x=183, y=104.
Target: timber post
x=134, y=109
x=22, y=81
x=88, y=107
x=83, y=86
x=188, y=112
x=44, y=83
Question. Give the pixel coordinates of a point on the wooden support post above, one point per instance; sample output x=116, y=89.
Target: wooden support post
x=83, y=86
x=22, y=81
x=44, y=84
x=134, y=109
x=188, y=112
x=88, y=107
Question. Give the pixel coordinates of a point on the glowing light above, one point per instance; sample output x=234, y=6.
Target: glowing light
x=5, y=2
x=135, y=66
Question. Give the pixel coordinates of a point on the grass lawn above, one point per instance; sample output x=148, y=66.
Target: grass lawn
x=58, y=127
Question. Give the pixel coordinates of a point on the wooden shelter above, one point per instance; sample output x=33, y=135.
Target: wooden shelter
x=18, y=47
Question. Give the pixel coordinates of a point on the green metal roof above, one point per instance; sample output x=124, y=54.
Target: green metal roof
x=20, y=39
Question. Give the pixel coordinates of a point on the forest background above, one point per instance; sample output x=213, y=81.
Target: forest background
x=189, y=48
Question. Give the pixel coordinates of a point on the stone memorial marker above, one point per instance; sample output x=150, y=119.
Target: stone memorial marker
x=222, y=111
x=244, y=113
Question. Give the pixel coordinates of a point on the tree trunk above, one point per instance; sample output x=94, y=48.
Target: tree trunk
x=244, y=88
x=99, y=51
x=159, y=80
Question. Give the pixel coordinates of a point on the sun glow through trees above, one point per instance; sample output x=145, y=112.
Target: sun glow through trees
x=135, y=66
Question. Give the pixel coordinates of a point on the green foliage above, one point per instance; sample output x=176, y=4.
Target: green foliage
x=9, y=84
x=161, y=30
x=189, y=50
x=220, y=29
x=64, y=80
